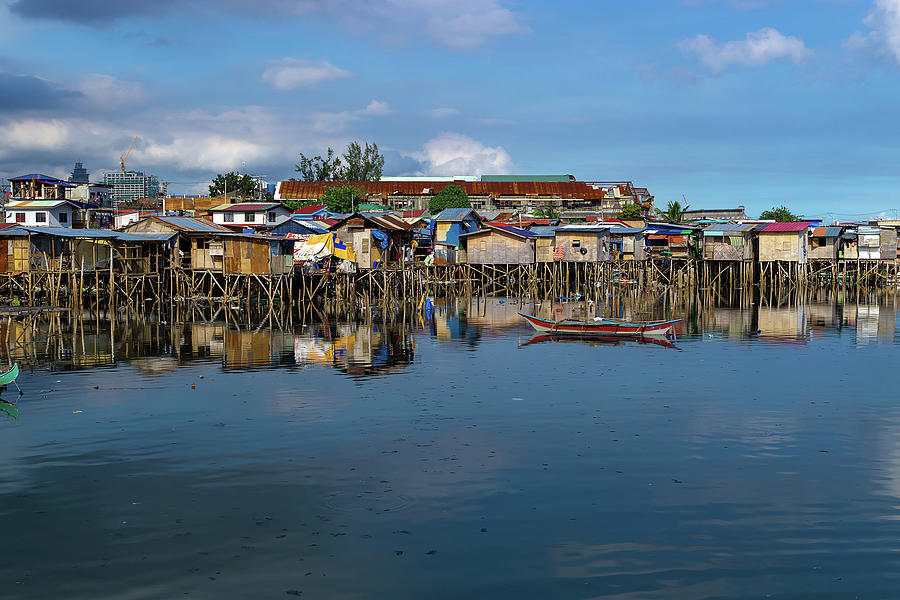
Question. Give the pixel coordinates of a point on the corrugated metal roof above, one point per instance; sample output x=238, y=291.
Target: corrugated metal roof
x=730, y=227
x=313, y=225
x=567, y=189
x=625, y=230
x=108, y=234
x=245, y=207
x=309, y=210
x=192, y=224
x=31, y=176
x=454, y=214
x=544, y=230
x=34, y=204
x=524, y=178
x=827, y=231
x=785, y=227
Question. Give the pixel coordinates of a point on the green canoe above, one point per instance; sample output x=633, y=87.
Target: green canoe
x=10, y=409
x=10, y=376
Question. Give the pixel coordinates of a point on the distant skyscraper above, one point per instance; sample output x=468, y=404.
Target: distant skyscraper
x=131, y=185
x=79, y=174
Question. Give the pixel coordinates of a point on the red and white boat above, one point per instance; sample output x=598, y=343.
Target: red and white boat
x=599, y=326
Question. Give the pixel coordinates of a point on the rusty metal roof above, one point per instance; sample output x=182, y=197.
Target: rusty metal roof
x=827, y=231
x=562, y=189
x=387, y=222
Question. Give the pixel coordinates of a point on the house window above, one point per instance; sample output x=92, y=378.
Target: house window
x=20, y=217
x=271, y=217
x=40, y=217
x=249, y=217
x=576, y=243
x=228, y=217
x=63, y=217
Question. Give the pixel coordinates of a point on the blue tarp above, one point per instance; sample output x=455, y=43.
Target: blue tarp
x=385, y=238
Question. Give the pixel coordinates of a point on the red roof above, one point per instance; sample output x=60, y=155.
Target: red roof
x=789, y=226
x=308, y=210
x=413, y=214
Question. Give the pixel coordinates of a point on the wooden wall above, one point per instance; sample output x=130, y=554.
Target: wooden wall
x=787, y=246
x=595, y=243
x=494, y=247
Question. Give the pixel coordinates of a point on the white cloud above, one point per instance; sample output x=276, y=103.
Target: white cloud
x=333, y=122
x=201, y=152
x=107, y=92
x=883, y=39
x=290, y=73
x=441, y=113
x=455, y=154
x=478, y=22
x=758, y=48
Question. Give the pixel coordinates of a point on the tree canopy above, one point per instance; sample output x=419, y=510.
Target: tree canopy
x=630, y=211
x=452, y=196
x=675, y=212
x=343, y=199
x=358, y=163
x=232, y=183
x=546, y=212
x=781, y=214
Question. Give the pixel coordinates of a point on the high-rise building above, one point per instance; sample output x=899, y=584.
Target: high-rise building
x=79, y=174
x=131, y=185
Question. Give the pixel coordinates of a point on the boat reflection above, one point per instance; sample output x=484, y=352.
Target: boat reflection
x=595, y=340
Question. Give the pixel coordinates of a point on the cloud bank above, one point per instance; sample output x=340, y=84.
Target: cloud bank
x=758, y=48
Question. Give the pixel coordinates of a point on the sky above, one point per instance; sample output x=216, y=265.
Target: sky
x=718, y=103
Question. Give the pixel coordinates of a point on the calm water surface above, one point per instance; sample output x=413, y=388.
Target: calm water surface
x=760, y=458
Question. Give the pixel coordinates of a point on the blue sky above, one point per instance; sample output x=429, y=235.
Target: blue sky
x=726, y=102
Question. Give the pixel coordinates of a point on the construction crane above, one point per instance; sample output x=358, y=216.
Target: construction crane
x=122, y=158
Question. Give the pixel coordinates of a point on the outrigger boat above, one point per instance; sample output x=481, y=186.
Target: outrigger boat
x=601, y=326
x=9, y=376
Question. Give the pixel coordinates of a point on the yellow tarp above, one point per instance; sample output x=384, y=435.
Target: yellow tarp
x=317, y=247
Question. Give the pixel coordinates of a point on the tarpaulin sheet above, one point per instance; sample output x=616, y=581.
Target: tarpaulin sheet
x=317, y=247
x=384, y=238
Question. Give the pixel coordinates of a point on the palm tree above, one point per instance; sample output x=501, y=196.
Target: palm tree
x=675, y=212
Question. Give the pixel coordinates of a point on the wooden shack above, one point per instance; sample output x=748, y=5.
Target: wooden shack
x=626, y=243
x=784, y=242
x=729, y=242
x=499, y=245
x=582, y=244
x=196, y=237
x=444, y=253
x=825, y=243
x=376, y=239
x=877, y=243
x=544, y=242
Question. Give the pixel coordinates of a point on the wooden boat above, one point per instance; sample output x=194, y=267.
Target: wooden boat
x=10, y=376
x=608, y=327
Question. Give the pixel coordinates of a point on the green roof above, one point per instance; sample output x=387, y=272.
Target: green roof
x=515, y=178
x=370, y=206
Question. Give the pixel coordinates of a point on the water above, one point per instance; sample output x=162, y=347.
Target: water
x=447, y=459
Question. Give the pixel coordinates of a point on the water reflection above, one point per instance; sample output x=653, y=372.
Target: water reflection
x=363, y=349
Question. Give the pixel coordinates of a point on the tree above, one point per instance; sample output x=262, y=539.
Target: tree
x=342, y=199
x=781, y=214
x=675, y=212
x=630, y=211
x=546, y=212
x=232, y=183
x=318, y=168
x=452, y=196
x=357, y=164
x=362, y=164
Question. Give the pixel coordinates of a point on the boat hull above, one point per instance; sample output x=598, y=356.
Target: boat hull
x=603, y=328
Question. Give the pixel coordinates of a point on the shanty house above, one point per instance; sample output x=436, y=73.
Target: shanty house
x=670, y=241
x=784, y=242
x=544, y=242
x=825, y=242
x=41, y=213
x=36, y=186
x=626, y=243
x=729, y=241
x=375, y=239
x=311, y=212
x=198, y=244
x=250, y=214
x=499, y=245
x=575, y=243
x=451, y=222
x=877, y=243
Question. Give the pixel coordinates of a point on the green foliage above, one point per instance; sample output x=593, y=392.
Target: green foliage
x=342, y=199
x=318, y=168
x=357, y=164
x=232, y=183
x=630, y=211
x=452, y=196
x=362, y=164
x=781, y=214
x=294, y=204
x=546, y=212
x=675, y=212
